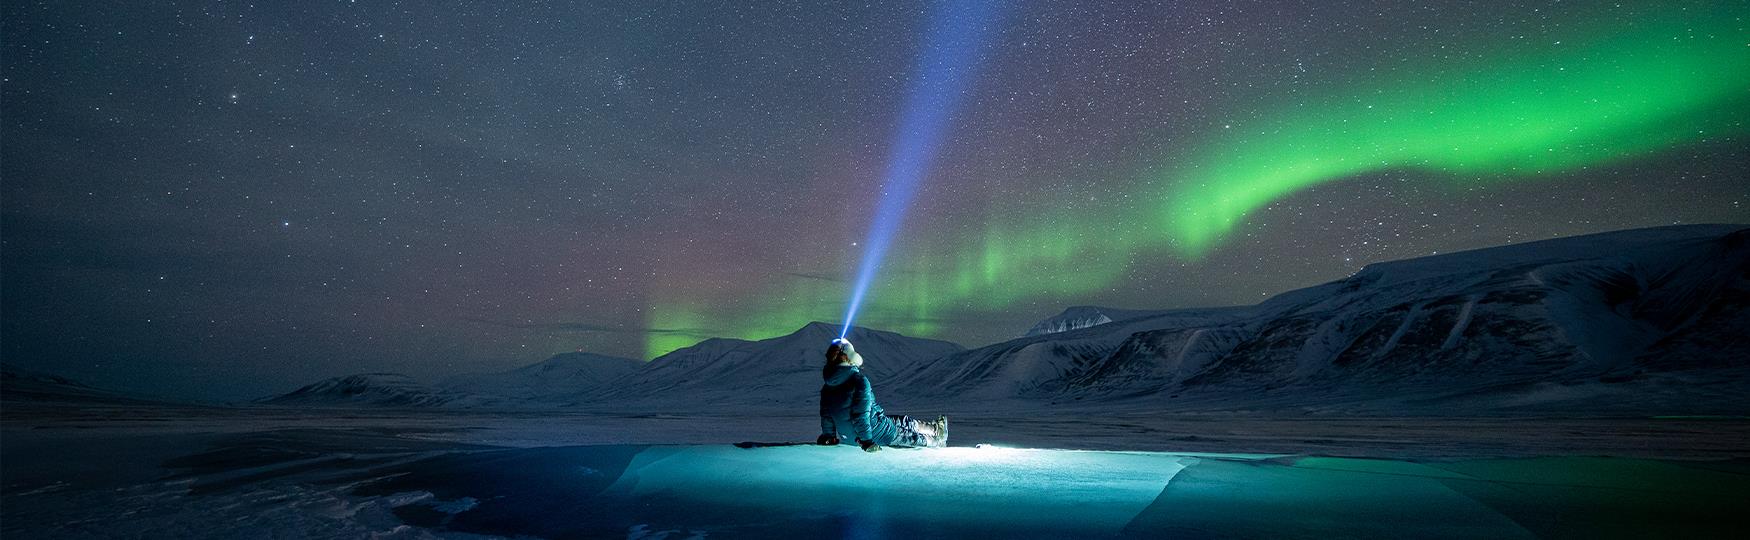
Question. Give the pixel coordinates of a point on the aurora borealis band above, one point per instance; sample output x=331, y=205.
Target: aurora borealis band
x=229, y=200
x=1622, y=93
x=946, y=67
x=1512, y=115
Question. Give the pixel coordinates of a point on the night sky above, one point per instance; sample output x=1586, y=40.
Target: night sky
x=226, y=200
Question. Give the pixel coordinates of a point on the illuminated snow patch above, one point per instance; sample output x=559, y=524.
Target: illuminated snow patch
x=1008, y=486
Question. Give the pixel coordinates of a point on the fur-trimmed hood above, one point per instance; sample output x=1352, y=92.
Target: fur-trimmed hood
x=844, y=345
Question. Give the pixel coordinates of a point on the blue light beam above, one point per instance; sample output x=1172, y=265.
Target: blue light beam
x=950, y=56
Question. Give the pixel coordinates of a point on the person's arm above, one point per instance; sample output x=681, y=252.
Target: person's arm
x=829, y=430
x=862, y=399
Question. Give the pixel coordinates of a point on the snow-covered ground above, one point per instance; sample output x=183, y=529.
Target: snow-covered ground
x=107, y=471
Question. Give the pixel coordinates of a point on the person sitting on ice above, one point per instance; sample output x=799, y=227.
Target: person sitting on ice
x=847, y=406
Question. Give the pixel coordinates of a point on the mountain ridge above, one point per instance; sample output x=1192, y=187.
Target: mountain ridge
x=1539, y=326
x=1643, y=321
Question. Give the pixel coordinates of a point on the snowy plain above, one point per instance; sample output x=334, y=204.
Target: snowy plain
x=195, y=472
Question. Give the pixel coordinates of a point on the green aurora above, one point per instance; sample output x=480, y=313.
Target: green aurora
x=1515, y=115
x=1628, y=94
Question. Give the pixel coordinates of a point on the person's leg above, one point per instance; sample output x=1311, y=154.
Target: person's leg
x=911, y=432
x=887, y=429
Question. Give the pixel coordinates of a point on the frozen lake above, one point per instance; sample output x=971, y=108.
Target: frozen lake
x=115, y=473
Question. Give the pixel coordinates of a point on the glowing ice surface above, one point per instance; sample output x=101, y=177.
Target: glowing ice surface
x=813, y=491
x=1037, y=489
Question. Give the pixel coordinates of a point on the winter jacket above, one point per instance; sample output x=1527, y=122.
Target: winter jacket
x=847, y=402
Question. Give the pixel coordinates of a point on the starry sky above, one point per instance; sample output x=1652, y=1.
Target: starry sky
x=222, y=200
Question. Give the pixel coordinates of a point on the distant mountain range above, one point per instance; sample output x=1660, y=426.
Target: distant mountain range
x=20, y=385
x=779, y=371
x=379, y=390
x=1640, y=321
x=561, y=376
x=1645, y=321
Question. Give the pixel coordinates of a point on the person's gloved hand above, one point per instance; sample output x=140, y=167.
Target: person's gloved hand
x=827, y=439
x=869, y=446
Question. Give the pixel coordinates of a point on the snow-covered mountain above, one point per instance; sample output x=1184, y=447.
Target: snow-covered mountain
x=377, y=390
x=783, y=370
x=1041, y=365
x=1647, y=320
x=555, y=379
x=1079, y=317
